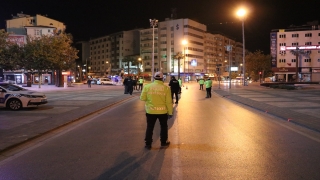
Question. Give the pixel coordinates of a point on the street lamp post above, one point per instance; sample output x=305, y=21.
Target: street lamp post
x=297, y=52
x=153, y=23
x=229, y=49
x=138, y=70
x=87, y=74
x=107, y=69
x=184, y=42
x=242, y=15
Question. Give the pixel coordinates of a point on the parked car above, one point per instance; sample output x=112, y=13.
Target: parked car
x=102, y=81
x=15, y=97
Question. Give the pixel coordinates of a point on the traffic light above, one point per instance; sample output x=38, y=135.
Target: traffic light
x=260, y=72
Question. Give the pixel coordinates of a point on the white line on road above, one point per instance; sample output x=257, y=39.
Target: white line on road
x=176, y=172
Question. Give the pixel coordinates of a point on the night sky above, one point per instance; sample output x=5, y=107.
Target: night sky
x=89, y=19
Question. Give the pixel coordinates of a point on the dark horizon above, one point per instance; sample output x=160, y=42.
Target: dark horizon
x=96, y=18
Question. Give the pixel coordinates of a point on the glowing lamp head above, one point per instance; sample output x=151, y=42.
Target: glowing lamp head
x=241, y=13
x=184, y=42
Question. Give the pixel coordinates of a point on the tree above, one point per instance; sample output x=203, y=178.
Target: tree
x=10, y=53
x=178, y=56
x=258, y=62
x=49, y=52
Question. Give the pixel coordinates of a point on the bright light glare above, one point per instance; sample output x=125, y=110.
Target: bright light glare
x=184, y=42
x=241, y=12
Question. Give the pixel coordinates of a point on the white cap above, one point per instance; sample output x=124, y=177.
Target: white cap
x=158, y=75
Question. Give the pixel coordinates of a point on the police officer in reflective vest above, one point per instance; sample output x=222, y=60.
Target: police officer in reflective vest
x=158, y=105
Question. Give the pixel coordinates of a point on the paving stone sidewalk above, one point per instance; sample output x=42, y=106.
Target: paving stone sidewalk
x=301, y=106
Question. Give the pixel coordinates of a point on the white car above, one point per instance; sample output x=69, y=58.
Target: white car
x=102, y=81
x=15, y=97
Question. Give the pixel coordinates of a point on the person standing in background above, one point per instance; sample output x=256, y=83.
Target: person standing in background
x=208, y=84
x=180, y=85
x=135, y=87
x=125, y=85
x=141, y=81
x=129, y=84
x=201, y=82
x=89, y=82
x=175, y=87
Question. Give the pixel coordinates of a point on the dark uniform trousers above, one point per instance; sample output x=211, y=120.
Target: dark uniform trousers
x=151, y=121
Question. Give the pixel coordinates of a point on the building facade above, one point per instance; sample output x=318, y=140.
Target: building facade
x=17, y=24
x=146, y=36
x=286, y=63
x=172, y=33
x=108, y=52
x=218, y=58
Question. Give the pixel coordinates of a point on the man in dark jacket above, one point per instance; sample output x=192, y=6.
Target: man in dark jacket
x=125, y=85
x=174, y=86
x=129, y=84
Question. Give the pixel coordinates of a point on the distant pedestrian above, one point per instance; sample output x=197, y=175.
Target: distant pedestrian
x=208, y=84
x=201, y=82
x=180, y=85
x=175, y=87
x=158, y=105
x=125, y=85
x=129, y=84
x=89, y=82
x=141, y=81
x=135, y=87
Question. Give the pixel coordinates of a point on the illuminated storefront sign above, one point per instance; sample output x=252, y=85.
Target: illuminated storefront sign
x=193, y=62
x=310, y=47
x=284, y=69
x=19, y=39
x=273, y=49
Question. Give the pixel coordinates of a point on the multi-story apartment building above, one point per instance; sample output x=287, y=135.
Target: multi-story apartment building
x=84, y=54
x=171, y=33
x=218, y=57
x=107, y=53
x=284, y=43
x=146, y=50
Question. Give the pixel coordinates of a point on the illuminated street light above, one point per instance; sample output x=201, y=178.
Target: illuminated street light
x=153, y=23
x=139, y=70
x=241, y=13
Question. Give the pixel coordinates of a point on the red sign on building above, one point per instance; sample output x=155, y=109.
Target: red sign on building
x=19, y=39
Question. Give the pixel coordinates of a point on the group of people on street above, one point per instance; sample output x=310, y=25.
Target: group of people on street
x=208, y=84
x=131, y=84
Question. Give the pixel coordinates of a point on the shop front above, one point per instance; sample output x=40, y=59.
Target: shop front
x=21, y=77
x=284, y=74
